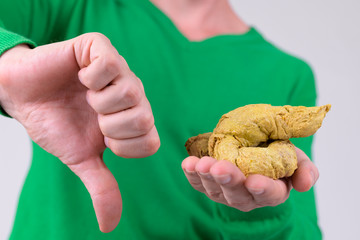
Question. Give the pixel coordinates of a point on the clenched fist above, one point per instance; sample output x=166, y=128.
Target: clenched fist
x=74, y=98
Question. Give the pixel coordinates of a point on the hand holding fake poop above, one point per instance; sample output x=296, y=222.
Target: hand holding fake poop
x=251, y=142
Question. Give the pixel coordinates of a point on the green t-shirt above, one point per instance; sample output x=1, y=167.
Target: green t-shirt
x=189, y=85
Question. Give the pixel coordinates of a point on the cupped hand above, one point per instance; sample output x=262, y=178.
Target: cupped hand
x=224, y=183
x=74, y=98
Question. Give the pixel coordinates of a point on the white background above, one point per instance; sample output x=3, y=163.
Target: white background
x=324, y=33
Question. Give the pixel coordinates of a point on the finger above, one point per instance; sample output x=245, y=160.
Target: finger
x=266, y=191
x=104, y=191
x=120, y=95
x=212, y=188
x=306, y=174
x=231, y=181
x=138, y=147
x=130, y=123
x=188, y=166
x=100, y=72
x=98, y=60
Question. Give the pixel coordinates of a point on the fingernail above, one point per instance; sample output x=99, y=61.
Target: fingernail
x=189, y=172
x=106, y=141
x=313, y=177
x=206, y=175
x=223, y=179
x=257, y=191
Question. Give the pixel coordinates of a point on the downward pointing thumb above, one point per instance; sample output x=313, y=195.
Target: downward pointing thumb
x=104, y=191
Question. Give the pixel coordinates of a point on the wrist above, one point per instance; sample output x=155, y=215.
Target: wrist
x=7, y=59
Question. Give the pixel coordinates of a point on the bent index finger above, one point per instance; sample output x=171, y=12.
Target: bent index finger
x=98, y=59
x=103, y=189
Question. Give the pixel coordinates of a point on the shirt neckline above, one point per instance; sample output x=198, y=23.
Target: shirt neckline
x=251, y=35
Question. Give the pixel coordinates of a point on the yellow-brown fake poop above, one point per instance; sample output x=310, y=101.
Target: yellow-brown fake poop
x=256, y=137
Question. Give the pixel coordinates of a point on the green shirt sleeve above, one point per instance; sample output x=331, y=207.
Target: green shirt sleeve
x=304, y=89
x=9, y=40
x=30, y=21
x=42, y=21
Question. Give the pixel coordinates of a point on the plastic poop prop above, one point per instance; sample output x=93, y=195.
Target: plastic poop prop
x=256, y=137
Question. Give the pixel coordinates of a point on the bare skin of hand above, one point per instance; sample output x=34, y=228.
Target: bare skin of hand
x=223, y=182
x=74, y=98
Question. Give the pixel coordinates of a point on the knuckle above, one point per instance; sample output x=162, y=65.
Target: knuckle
x=234, y=204
x=199, y=188
x=152, y=145
x=260, y=205
x=122, y=61
x=207, y=177
x=132, y=95
x=117, y=148
x=145, y=122
x=117, y=151
x=95, y=35
x=110, y=64
x=215, y=195
x=196, y=185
